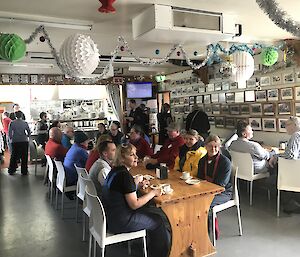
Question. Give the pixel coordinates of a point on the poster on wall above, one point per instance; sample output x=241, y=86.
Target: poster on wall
x=269, y=124
x=255, y=123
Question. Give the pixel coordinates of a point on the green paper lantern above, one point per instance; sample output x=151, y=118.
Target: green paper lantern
x=12, y=47
x=269, y=56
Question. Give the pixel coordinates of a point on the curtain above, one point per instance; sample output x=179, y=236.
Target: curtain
x=113, y=92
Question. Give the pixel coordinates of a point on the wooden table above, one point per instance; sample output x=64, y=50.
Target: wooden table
x=187, y=210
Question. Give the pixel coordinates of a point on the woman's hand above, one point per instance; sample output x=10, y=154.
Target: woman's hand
x=157, y=192
x=138, y=179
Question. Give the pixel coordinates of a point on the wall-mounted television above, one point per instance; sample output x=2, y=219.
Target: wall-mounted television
x=139, y=90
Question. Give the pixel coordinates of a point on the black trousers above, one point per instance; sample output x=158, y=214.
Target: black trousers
x=19, y=151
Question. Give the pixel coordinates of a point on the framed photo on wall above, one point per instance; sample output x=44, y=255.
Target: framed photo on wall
x=281, y=125
x=261, y=96
x=199, y=99
x=233, y=85
x=201, y=89
x=284, y=108
x=239, y=97
x=269, y=124
x=192, y=99
x=206, y=99
x=255, y=123
x=210, y=88
x=251, y=83
x=265, y=81
x=214, y=98
x=297, y=109
x=229, y=122
x=186, y=109
x=219, y=122
x=276, y=79
x=249, y=96
x=216, y=109
x=297, y=75
x=186, y=100
x=229, y=97
x=269, y=109
x=234, y=109
x=286, y=93
x=211, y=120
x=289, y=77
x=272, y=94
x=207, y=109
x=195, y=89
x=256, y=109
x=245, y=109
x=222, y=98
x=297, y=93
x=225, y=85
x=218, y=86
x=225, y=109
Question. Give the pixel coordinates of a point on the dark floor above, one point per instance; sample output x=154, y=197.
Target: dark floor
x=31, y=227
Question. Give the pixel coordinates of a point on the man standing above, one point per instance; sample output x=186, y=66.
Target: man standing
x=164, y=119
x=16, y=108
x=136, y=115
x=18, y=134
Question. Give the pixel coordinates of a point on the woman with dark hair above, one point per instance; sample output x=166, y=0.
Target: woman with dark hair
x=55, y=123
x=101, y=130
x=115, y=133
x=42, y=130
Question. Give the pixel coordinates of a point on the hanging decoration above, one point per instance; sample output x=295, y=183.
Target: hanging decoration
x=79, y=54
x=244, y=66
x=107, y=6
x=12, y=47
x=269, y=56
x=279, y=16
x=227, y=69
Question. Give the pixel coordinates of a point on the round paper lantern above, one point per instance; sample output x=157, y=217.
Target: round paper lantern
x=269, y=56
x=12, y=47
x=244, y=63
x=79, y=54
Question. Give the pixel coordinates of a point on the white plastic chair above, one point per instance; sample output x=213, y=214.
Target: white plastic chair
x=50, y=169
x=234, y=202
x=157, y=148
x=80, y=188
x=80, y=170
x=288, y=177
x=61, y=185
x=98, y=232
x=246, y=170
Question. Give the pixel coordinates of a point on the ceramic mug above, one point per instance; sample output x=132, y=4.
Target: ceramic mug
x=167, y=188
x=185, y=175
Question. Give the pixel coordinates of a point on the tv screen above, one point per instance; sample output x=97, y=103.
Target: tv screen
x=139, y=90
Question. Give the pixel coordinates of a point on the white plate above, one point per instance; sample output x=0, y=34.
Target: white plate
x=169, y=192
x=156, y=186
x=148, y=177
x=190, y=177
x=192, y=181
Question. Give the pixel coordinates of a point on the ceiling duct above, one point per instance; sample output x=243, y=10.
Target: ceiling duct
x=167, y=24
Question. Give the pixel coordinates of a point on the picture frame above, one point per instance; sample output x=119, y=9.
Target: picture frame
x=255, y=123
x=201, y=89
x=186, y=109
x=219, y=122
x=176, y=110
x=214, y=98
x=208, y=109
x=297, y=93
x=234, y=109
x=297, y=75
x=281, y=124
x=276, y=79
x=14, y=79
x=181, y=100
x=218, y=86
x=286, y=93
x=5, y=78
x=195, y=89
x=233, y=85
x=245, y=109
x=269, y=124
x=230, y=97
x=284, y=108
x=179, y=91
x=225, y=85
x=261, y=96
x=211, y=120
x=289, y=77
x=216, y=109
x=206, y=99
x=256, y=109
x=272, y=94
x=199, y=99
x=173, y=92
x=210, y=88
x=176, y=101
x=222, y=98
x=265, y=81
x=229, y=122
x=184, y=91
x=190, y=90
x=186, y=100
x=251, y=83
x=297, y=109
x=192, y=100
x=250, y=96
x=269, y=108
x=239, y=97
x=225, y=109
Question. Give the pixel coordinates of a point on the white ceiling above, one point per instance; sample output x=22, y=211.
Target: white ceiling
x=257, y=27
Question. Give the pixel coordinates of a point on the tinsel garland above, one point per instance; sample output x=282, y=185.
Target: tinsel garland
x=279, y=17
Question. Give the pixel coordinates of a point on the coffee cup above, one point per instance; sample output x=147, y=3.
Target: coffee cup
x=163, y=164
x=185, y=175
x=282, y=146
x=157, y=172
x=167, y=188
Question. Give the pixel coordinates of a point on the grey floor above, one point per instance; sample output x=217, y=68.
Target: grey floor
x=31, y=227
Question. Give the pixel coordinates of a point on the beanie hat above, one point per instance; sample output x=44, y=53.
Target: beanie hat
x=80, y=137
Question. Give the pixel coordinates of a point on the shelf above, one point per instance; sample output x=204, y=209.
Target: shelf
x=83, y=119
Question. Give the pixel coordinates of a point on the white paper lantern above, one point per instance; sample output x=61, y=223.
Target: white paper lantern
x=79, y=54
x=244, y=63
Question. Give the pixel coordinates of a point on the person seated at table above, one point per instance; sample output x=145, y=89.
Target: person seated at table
x=68, y=135
x=190, y=153
x=216, y=168
x=54, y=147
x=292, y=150
x=102, y=166
x=55, y=123
x=259, y=155
x=123, y=207
x=94, y=154
x=76, y=155
x=136, y=138
x=169, y=150
x=115, y=133
x=101, y=130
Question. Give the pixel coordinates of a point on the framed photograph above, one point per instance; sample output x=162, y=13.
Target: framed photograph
x=173, y=92
x=269, y=124
x=219, y=122
x=297, y=93
x=233, y=85
x=179, y=91
x=186, y=100
x=190, y=90
x=181, y=100
x=176, y=111
x=218, y=86
x=210, y=88
x=216, y=109
x=269, y=109
x=245, y=109
x=225, y=85
x=176, y=101
x=289, y=77
x=214, y=98
x=286, y=93
x=201, y=89
x=229, y=97
x=222, y=98
x=256, y=109
x=276, y=79
x=234, y=109
x=297, y=75
x=255, y=123
x=249, y=96
x=239, y=97
x=261, y=96
x=265, y=81
x=195, y=89
x=284, y=108
x=208, y=109
x=184, y=91
x=251, y=83
x=186, y=109
x=5, y=78
x=224, y=109
x=229, y=122
x=14, y=79
x=192, y=99
x=206, y=99
x=297, y=109
x=24, y=78
x=281, y=125
x=218, y=76
x=272, y=94
x=211, y=120
x=199, y=99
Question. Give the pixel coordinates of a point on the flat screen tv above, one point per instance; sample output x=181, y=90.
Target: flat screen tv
x=139, y=90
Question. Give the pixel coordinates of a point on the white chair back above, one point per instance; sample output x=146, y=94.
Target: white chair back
x=157, y=148
x=97, y=221
x=61, y=177
x=288, y=175
x=245, y=164
x=81, y=185
x=50, y=165
x=234, y=179
x=80, y=170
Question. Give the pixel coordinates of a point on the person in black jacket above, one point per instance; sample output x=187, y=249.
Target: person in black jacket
x=198, y=120
x=164, y=119
x=136, y=116
x=16, y=108
x=115, y=133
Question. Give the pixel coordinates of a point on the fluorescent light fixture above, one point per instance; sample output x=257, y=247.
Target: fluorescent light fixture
x=28, y=65
x=64, y=24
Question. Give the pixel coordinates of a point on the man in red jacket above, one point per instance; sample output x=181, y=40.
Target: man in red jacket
x=169, y=150
x=54, y=148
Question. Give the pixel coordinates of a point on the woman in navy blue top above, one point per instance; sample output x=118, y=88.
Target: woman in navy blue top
x=124, y=208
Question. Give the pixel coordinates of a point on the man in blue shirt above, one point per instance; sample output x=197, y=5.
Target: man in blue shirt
x=67, y=137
